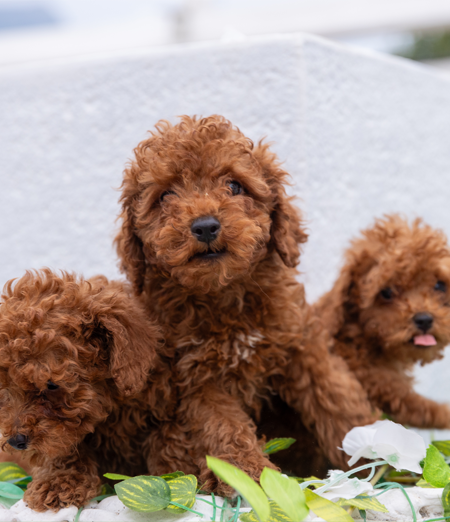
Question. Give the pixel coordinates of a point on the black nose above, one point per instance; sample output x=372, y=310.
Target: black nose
x=423, y=321
x=19, y=442
x=205, y=229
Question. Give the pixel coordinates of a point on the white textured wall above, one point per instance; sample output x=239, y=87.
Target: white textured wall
x=361, y=134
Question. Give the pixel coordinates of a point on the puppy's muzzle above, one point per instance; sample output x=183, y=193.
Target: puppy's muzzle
x=19, y=442
x=205, y=229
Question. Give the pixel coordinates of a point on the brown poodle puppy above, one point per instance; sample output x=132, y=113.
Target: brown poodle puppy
x=389, y=309
x=75, y=389
x=210, y=240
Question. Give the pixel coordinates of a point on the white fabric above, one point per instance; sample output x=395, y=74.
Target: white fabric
x=110, y=509
x=426, y=501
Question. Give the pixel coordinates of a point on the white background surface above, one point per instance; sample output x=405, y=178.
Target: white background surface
x=361, y=135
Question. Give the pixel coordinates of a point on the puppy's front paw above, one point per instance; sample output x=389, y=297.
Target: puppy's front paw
x=210, y=483
x=61, y=491
x=440, y=417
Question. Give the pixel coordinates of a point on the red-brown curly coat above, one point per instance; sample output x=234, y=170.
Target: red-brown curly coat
x=392, y=272
x=236, y=325
x=80, y=378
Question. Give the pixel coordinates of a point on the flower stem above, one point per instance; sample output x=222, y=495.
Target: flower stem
x=328, y=485
x=379, y=474
x=186, y=508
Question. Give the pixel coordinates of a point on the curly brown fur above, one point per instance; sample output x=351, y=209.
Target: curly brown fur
x=235, y=321
x=391, y=273
x=78, y=367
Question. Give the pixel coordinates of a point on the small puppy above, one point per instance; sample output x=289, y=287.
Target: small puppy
x=76, y=396
x=211, y=240
x=389, y=309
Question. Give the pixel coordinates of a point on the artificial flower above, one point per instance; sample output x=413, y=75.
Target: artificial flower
x=401, y=448
x=345, y=488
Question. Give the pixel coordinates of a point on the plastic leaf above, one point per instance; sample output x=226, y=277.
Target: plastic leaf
x=243, y=484
x=174, y=474
x=363, y=502
x=11, y=471
x=144, y=494
x=275, y=445
x=423, y=484
x=436, y=471
x=8, y=490
x=325, y=509
x=286, y=493
x=300, y=480
x=8, y=502
x=443, y=446
x=182, y=491
x=116, y=476
x=446, y=500
x=276, y=514
x=107, y=490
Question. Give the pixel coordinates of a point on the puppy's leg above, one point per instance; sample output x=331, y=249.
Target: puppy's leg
x=329, y=397
x=62, y=483
x=222, y=429
x=393, y=393
x=169, y=448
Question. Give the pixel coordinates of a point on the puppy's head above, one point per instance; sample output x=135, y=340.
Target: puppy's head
x=203, y=206
x=69, y=348
x=396, y=287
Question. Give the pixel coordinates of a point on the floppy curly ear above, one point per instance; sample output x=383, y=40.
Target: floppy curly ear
x=332, y=307
x=287, y=232
x=132, y=352
x=128, y=337
x=130, y=248
x=339, y=308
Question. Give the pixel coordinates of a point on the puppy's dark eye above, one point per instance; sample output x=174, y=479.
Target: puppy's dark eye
x=440, y=286
x=164, y=194
x=387, y=293
x=52, y=386
x=235, y=187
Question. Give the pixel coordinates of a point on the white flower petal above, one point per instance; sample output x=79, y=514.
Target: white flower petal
x=402, y=448
x=347, y=488
x=357, y=438
x=366, y=452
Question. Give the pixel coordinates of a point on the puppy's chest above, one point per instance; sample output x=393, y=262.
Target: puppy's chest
x=233, y=349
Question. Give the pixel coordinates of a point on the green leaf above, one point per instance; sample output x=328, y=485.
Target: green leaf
x=300, y=480
x=446, y=500
x=8, y=502
x=436, y=471
x=443, y=446
x=286, y=493
x=363, y=502
x=11, y=471
x=275, y=445
x=172, y=475
x=423, y=484
x=8, y=490
x=276, y=514
x=115, y=476
x=182, y=491
x=325, y=509
x=107, y=490
x=144, y=494
x=243, y=484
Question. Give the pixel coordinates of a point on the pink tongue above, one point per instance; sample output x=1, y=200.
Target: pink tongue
x=425, y=340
